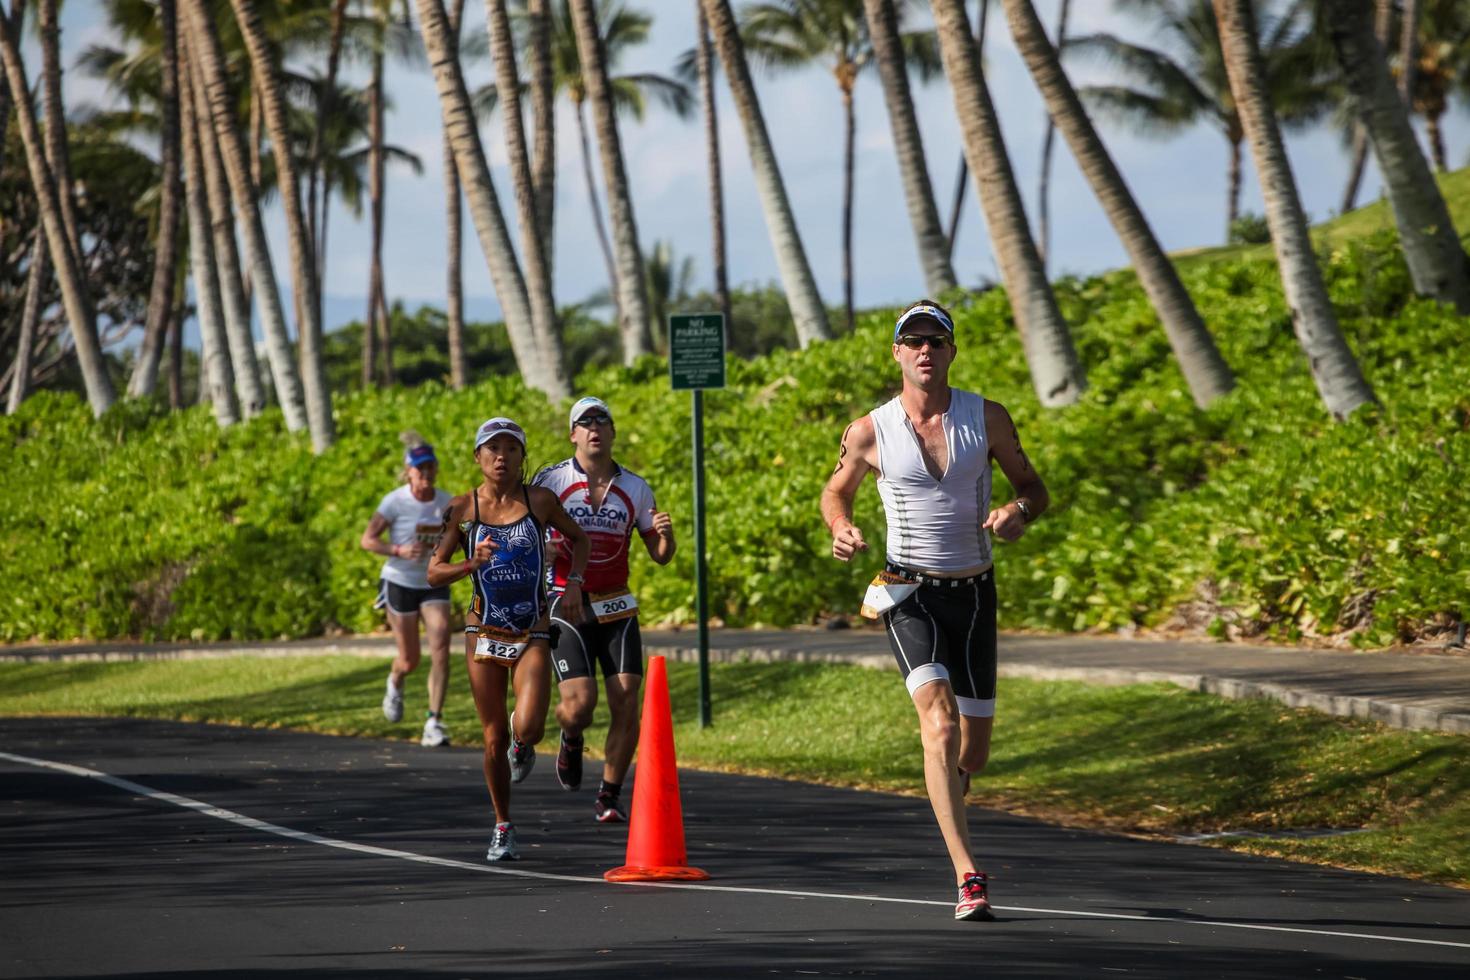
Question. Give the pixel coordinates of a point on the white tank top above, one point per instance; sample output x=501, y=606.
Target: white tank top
x=935, y=524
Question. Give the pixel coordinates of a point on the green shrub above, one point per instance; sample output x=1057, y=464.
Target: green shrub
x=1257, y=517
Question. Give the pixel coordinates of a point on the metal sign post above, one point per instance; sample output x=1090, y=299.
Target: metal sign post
x=696, y=362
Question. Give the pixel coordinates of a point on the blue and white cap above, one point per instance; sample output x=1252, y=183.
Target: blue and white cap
x=500, y=425
x=923, y=312
x=419, y=455
x=585, y=405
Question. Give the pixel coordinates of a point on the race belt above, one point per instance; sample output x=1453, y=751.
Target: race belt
x=886, y=591
x=609, y=607
x=503, y=646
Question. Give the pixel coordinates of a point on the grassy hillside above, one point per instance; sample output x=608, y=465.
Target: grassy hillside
x=1258, y=517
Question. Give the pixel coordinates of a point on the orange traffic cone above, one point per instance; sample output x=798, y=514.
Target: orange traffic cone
x=656, y=823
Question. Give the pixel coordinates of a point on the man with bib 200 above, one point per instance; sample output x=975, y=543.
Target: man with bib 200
x=930, y=449
x=608, y=502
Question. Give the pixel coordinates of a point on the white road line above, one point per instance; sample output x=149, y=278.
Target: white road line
x=252, y=823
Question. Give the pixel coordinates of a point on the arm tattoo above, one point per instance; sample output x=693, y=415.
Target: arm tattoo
x=842, y=453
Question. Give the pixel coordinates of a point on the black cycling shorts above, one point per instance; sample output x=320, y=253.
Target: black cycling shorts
x=946, y=631
x=616, y=646
x=403, y=601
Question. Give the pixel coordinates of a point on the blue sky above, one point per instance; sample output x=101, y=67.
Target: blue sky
x=1179, y=182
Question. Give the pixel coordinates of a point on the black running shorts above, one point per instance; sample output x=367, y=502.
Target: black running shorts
x=946, y=631
x=403, y=601
x=617, y=647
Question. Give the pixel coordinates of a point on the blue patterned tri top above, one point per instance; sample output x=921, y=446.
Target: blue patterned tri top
x=508, y=588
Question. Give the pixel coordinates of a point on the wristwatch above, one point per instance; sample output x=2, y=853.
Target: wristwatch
x=1024, y=508
x=579, y=579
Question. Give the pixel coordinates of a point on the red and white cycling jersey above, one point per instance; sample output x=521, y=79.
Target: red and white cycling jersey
x=628, y=504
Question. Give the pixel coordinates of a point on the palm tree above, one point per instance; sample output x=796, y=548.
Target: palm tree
x=908, y=145
x=16, y=21
x=474, y=175
x=628, y=257
x=706, y=69
x=454, y=234
x=214, y=377
x=75, y=302
x=962, y=174
x=1056, y=374
x=807, y=310
x=226, y=256
x=1043, y=189
x=533, y=250
x=1204, y=369
x=787, y=34
x=1339, y=380
x=543, y=116
x=267, y=84
x=53, y=111
x=1443, y=64
x=1426, y=231
x=209, y=61
x=1165, y=94
x=1382, y=23
x=30, y=316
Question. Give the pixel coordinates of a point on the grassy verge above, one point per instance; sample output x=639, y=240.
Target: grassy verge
x=1144, y=759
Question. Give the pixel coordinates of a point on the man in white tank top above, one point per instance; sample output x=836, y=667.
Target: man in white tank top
x=930, y=449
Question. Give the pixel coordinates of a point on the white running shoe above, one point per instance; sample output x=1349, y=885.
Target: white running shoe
x=522, y=757
x=434, y=734
x=393, y=702
x=503, y=844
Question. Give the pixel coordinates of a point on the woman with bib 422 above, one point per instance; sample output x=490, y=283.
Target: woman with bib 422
x=501, y=525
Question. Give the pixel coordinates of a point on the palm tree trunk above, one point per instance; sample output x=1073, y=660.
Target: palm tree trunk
x=1043, y=191
x=1338, y=378
x=849, y=149
x=796, y=272
x=30, y=318
x=595, y=208
x=962, y=174
x=324, y=110
x=1382, y=21
x=627, y=253
x=166, y=249
x=385, y=336
x=1436, y=142
x=176, y=347
x=1232, y=183
x=16, y=23
x=1408, y=48
x=908, y=145
x=474, y=176
x=533, y=247
x=75, y=302
x=303, y=264
x=53, y=112
x=543, y=115
x=373, y=328
x=208, y=60
x=236, y=308
x=1426, y=231
x=454, y=233
x=1205, y=371
x=1056, y=373
x=214, y=368
x=716, y=180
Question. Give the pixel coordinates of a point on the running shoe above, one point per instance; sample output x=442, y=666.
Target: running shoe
x=393, y=702
x=522, y=756
x=503, y=844
x=434, y=734
x=974, y=904
x=608, y=809
x=569, y=763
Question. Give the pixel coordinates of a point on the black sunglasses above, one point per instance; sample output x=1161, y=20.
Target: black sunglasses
x=917, y=341
x=588, y=421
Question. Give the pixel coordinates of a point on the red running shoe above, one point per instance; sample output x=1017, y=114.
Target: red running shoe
x=974, y=904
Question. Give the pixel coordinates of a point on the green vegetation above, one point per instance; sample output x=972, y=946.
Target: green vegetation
x=1129, y=759
x=1257, y=517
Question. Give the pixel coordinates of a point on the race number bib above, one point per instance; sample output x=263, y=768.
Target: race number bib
x=500, y=645
x=427, y=533
x=609, y=607
x=884, y=592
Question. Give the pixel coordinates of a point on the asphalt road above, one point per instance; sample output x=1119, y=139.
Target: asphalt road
x=288, y=854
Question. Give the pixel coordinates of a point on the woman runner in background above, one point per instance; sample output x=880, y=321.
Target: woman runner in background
x=413, y=516
x=501, y=525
